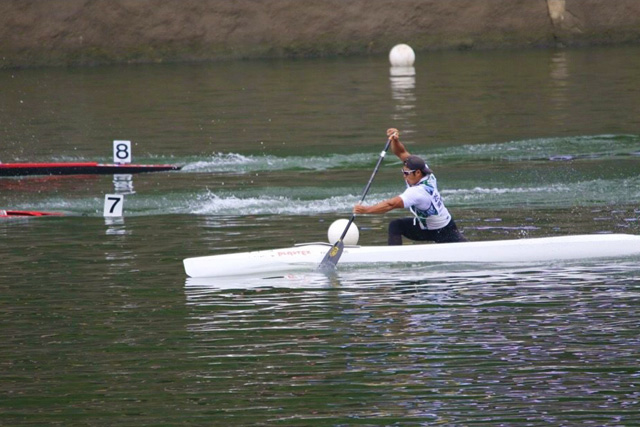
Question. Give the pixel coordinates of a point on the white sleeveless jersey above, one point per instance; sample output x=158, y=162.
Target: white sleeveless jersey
x=424, y=201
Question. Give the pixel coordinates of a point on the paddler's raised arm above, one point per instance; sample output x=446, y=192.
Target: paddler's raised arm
x=396, y=146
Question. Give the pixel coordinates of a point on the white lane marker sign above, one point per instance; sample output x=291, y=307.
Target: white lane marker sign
x=113, y=205
x=121, y=151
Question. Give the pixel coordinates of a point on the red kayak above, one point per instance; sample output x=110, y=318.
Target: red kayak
x=79, y=168
x=22, y=214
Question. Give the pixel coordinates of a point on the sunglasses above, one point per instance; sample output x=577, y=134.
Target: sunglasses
x=407, y=173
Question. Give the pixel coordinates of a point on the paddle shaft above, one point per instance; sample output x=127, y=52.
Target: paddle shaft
x=383, y=153
x=333, y=256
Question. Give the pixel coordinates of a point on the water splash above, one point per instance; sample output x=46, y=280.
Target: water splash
x=237, y=163
x=570, y=148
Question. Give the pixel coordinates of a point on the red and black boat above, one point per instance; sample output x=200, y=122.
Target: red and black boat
x=79, y=168
x=25, y=214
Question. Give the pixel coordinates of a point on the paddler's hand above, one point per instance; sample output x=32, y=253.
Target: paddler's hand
x=393, y=134
x=359, y=209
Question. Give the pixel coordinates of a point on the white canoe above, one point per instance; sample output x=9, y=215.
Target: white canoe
x=308, y=256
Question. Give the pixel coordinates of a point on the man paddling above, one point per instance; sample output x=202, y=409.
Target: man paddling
x=432, y=221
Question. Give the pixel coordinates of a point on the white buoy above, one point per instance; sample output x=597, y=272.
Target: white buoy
x=337, y=228
x=402, y=56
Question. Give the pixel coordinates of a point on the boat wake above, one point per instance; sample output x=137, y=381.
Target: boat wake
x=576, y=148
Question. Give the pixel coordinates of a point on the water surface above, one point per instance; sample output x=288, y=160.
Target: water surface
x=101, y=326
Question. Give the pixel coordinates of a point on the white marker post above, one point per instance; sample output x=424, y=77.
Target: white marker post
x=121, y=151
x=113, y=205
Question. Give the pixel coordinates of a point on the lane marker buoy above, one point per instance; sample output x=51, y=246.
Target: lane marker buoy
x=402, y=55
x=337, y=228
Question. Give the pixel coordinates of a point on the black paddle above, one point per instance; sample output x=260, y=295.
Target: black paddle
x=332, y=257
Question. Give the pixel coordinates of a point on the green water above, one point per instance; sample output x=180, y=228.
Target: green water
x=100, y=325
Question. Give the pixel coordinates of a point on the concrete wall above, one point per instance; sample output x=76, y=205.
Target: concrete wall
x=84, y=32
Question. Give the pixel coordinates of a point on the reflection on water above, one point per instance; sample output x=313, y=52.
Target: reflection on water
x=293, y=280
x=502, y=345
x=559, y=70
x=115, y=226
x=403, y=85
x=420, y=275
x=123, y=184
x=560, y=81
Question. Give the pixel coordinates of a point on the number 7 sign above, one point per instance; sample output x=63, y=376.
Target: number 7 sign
x=113, y=204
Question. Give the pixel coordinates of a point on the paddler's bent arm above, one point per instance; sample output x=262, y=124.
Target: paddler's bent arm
x=397, y=147
x=379, y=208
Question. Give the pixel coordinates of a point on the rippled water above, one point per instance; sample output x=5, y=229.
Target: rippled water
x=498, y=346
x=101, y=326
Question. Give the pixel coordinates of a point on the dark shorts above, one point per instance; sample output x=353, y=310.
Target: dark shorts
x=405, y=227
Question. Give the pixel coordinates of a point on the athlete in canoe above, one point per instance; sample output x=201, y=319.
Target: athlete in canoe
x=431, y=220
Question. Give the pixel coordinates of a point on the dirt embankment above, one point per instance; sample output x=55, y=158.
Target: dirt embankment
x=87, y=32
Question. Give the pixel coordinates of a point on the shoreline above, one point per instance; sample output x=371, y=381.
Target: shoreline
x=37, y=33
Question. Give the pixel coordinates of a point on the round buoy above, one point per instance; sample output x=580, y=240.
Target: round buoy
x=337, y=228
x=402, y=56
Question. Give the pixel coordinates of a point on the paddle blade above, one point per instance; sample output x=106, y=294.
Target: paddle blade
x=330, y=261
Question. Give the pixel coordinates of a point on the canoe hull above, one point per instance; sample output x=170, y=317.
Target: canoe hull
x=499, y=251
x=79, y=168
x=25, y=214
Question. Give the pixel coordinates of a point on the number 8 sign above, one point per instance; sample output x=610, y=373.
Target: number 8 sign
x=121, y=151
